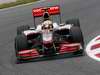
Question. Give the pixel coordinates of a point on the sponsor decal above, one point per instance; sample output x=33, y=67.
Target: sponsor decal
x=38, y=12
x=93, y=48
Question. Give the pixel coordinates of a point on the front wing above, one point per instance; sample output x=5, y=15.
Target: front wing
x=65, y=50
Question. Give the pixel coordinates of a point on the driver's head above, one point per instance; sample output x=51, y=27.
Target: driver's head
x=47, y=25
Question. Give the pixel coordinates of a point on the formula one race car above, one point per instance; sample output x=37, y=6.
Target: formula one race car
x=48, y=39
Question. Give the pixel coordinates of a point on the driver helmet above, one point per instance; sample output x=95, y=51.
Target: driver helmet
x=48, y=25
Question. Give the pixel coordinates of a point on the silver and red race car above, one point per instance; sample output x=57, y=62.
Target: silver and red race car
x=49, y=39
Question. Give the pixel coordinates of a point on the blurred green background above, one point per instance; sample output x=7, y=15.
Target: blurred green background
x=18, y=2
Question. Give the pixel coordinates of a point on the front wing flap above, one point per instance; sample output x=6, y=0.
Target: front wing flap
x=65, y=50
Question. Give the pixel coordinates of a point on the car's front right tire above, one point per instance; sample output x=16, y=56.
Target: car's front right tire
x=21, y=43
x=20, y=29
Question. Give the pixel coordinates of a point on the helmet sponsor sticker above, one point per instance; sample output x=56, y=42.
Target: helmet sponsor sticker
x=93, y=48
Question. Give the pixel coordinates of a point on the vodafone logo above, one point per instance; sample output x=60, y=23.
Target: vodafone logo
x=54, y=8
x=93, y=48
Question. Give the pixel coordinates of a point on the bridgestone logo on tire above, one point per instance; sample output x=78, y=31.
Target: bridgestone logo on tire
x=93, y=48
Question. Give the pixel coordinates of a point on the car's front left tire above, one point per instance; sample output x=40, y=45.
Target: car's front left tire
x=77, y=37
x=74, y=21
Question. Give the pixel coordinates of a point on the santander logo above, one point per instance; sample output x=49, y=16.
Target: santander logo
x=93, y=48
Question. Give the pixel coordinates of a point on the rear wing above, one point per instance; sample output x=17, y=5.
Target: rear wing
x=38, y=12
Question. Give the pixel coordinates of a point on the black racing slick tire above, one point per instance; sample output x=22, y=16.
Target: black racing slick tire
x=21, y=42
x=77, y=35
x=73, y=21
x=20, y=29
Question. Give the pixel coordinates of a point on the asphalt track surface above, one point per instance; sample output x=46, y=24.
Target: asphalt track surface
x=89, y=13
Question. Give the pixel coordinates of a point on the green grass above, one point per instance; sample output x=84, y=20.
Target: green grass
x=18, y=2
